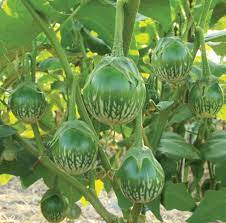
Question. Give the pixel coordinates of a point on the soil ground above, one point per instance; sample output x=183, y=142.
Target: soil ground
x=18, y=205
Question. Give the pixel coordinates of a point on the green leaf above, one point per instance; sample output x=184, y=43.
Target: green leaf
x=15, y=19
x=50, y=64
x=217, y=69
x=164, y=105
x=220, y=170
x=33, y=176
x=123, y=202
x=218, y=12
x=6, y=131
x=157, y=10
x=174, y=146
x=49, y=179
x=169, y=166
x=214, y=148
x=176, y=196
x=102, y=21
x=70, y=36
x=182, y=113
x=49, y=11
x=154, y=207
x=219, y=48
x=211, y=208
x=22, y=166
x=219, y=36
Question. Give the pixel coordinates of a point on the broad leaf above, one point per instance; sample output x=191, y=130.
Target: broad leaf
x=218, y=12
x=15, y=20
x=219, y=36
x=182, y=113
x=176, y=196
x=102, y=21
x=220, y=170
x=22, y=166
x=154, y=207
x=211, y=208
x=6, y=131
x=158, y=10
x=174, y=146
x=214, y=148
x=219, y=48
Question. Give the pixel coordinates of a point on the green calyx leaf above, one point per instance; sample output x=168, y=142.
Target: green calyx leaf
x=141, y=177
x=124, y=65
x=77, y=125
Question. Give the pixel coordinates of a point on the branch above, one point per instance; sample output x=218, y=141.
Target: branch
x=131, y=9
x=89, y=195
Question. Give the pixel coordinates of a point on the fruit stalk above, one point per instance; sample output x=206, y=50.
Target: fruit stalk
x=117, y=49
x=139, y=130
x=136, y=211
x=72, y=103
x=204, y=15
x=38, y=138
x=131, y=9
x=205, y=65
x=66, y=66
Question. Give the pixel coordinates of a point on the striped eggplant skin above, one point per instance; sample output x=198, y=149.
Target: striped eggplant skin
x=206, y=98
x=74, y=147
x=141, y=177
x=27, y=102
x=115, y=91
x=171, y=59
x=54, y=206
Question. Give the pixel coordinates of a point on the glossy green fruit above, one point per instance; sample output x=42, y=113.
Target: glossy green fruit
x=141, y=177
x=73, y=212
x=27, y=102
x=171, y=59
x=54, y=206
x=115, y=91
x=206, y=98
x=74, y=147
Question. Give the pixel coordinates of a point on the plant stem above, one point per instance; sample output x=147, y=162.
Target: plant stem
x=205, y=11
x=131, y=9
x=190, y=19
x=72, y=102
x=139, y=130
x=211, y=174
x=52, y=38
x=66, y=66
x=89, y=195
x=205, y=65
x=136, y=211
x=202, y=23
x=33, y=61
x=38, y=138
x=117, y=49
